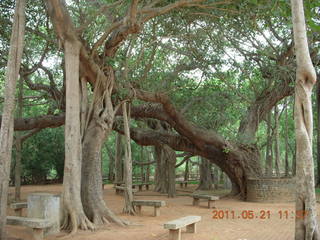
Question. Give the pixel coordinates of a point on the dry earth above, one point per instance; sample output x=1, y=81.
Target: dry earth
x=147, y=227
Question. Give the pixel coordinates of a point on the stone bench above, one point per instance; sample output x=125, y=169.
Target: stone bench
x=37, y=224
x=17, y=207
x=197, y=197
x=152, y=203
x=176, y=225
x=120, y=190
x=140, y=185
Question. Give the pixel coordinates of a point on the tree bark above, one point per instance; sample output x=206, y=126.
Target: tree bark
x=165, y=170
x=286, y=137
x=91, y=192
x=18, y=144
x=142, y=174
x=306, y=228
x=170, y=155
x=74, y=216
x=318, y=133
x=128, y=196
x=149, y=152
x=161, y=177
x=111, y=167
x=186, y=171
x=276, y=140
x=119, y=159
x=6, y=131
x=206, y=182
x=269, y=147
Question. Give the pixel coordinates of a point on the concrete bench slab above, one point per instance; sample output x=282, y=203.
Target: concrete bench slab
x=120, y=189
x=29, y=222
x=152, y=203
x=37, y=224
x=17, y=207
x=211, y=199
x=140, y=185
x=176, y=225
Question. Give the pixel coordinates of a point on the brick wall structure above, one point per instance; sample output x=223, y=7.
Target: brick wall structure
x=271, y=190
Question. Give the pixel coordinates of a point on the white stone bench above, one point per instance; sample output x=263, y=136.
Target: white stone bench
x=120, y=189
x=17, y=207
x=176, y=225
x=197, y=197
x=37, y=224
x=152, y=203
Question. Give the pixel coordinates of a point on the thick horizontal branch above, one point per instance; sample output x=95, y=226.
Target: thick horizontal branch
x=49, y=121
x=200, y=137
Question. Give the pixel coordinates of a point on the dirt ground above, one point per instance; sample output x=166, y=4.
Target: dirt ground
x=235, y=226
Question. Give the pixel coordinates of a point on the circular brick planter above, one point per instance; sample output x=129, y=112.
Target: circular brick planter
x=271, y=190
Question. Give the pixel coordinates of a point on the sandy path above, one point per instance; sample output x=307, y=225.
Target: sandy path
x=235, y=227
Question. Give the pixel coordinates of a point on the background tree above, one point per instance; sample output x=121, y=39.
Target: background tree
x=307, y=226
x=6, y=131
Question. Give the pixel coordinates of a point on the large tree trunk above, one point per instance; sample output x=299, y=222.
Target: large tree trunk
x=74, y=216
x=91, y=192
x=6, y=131
x=161, y=177
x=165, y=170
x=306, y=228
x=18, y=145
x=245, y=163
x=170, y=155
x=318, y=133
x=100, y=121
x=205, y=175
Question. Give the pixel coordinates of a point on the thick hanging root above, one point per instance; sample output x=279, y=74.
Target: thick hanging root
x=129, y=210
x=74, y=221
x=100, y=214
x=111, y=217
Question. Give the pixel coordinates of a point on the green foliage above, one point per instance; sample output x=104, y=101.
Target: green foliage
x=43, y=156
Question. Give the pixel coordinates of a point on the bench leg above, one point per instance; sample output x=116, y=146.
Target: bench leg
x=147, y=187
x=156, y=211
x=195, y=201
x=18, y=212
x=140, y=187
x=138, y=209
x=37, y=233
x=175, y=234
x=191, y=228
x=209, y=203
